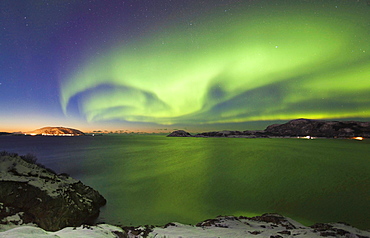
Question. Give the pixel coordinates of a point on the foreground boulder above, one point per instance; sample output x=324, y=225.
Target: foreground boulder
x=30, y=193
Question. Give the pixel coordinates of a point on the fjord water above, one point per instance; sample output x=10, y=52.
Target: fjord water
x=155, y=179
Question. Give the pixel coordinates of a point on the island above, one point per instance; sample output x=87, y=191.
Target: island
x=55, y=131
x=298, y=128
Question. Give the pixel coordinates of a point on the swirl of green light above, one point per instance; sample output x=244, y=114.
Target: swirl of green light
x=260, y=64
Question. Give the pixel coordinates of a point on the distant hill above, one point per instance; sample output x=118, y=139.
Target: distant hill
x=4, y=133
x=318, y=128
x=56, y=131
x=179, y=133
x=297, y=128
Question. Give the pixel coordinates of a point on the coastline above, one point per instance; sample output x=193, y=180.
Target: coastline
x=298, y=128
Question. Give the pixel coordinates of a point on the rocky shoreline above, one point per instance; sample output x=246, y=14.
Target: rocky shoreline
x=295, y=128
x=267, y=225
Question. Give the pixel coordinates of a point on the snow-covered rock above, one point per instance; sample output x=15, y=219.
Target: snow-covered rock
x=267, y=225
x=99, y=231
x=30, y=193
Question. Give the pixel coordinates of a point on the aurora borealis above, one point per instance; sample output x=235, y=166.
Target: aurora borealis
x=188, y=63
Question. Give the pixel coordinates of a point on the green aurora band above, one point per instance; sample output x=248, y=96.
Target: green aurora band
x=275, y=62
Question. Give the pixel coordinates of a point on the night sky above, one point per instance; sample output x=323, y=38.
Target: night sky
x=199, y=65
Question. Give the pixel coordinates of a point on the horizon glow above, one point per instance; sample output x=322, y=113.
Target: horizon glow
x=271, y=63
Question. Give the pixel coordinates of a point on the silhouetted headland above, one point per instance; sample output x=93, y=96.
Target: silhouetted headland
x=306, y=128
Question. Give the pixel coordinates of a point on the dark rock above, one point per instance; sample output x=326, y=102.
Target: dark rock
x=131, y=231
x=329, y=230
x=169, y=224
x=119, y=234
x=179, y=133
x=341, y=232
x=218, y=133
x=42, y=197
x=208, y=222
x=321, y=227
x=216, y=222
x=328, y=233
x=360, y=236
x=6, y=211
x=286, y=232
x=275, y=219
x=221, y=226
x=255, y=232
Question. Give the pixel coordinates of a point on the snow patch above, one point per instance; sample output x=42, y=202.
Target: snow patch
x=99, y=231
x=220, y=227
x=17, y=170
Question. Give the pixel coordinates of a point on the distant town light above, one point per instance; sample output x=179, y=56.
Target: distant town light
x=306, y=137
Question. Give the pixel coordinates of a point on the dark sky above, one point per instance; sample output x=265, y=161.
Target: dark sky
x=148, y=65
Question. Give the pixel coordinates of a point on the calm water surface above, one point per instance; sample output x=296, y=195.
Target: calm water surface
x=156, y=180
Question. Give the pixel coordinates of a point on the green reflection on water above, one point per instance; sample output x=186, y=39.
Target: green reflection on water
x=156, y=180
